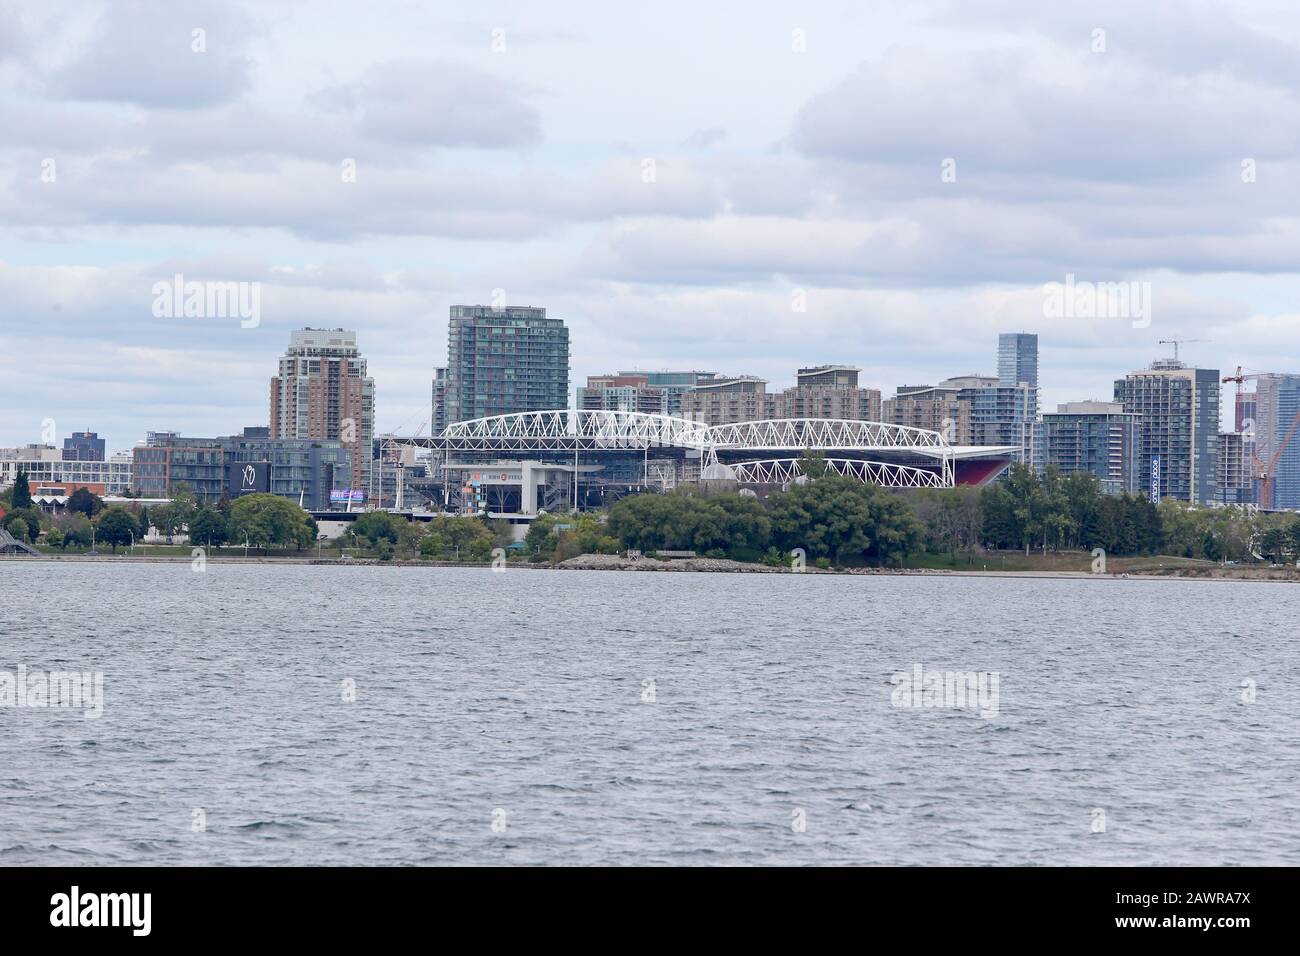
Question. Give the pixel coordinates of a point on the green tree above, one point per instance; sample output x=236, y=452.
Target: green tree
x=86, y=502
x=209, y=528
x=376, y=526
x=1272, y=543
x=951, y=519
x=813, y=464
x=22, y=493
x=175, y=516
x=54, y=538
x=1293, y=536
x=844, y=520
x=269, y=521
x=76, y=530
x=457, y=536
x=31, y=519
x=114, y=526
x=409, y=536
x=18, y=528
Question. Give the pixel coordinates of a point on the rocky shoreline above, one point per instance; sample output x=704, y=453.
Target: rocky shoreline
x=610, y=562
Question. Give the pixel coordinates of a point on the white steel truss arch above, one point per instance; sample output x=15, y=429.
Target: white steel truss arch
x=780, y=471
x=821, y=433
x=572, y=430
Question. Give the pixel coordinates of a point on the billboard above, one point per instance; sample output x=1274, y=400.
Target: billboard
x=249, y=477
x=1155, y=479
x=344, y=495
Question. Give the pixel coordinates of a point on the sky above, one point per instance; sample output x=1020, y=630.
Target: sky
x=745, y=188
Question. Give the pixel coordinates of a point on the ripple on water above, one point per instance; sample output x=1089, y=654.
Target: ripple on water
x=772, y=696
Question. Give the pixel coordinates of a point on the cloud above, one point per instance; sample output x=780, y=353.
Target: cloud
x=315, y=200
x=436, y=103
x=148, y=53
x=1041, y=112
x=773, y=172
x=704, y=138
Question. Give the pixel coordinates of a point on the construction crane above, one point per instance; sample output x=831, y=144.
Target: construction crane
x=1177, y=342
x=1261, y=471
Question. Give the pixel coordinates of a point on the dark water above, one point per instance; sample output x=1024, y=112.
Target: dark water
x=516, y=697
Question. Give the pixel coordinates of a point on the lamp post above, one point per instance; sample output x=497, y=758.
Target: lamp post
x=245, y=544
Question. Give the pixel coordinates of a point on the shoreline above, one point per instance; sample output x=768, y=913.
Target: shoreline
x=687, y=566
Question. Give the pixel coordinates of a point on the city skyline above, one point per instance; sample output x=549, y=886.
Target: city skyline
x=727, y=213
x=989, y=370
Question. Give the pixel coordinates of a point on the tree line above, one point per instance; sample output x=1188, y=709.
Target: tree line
x=832, y=519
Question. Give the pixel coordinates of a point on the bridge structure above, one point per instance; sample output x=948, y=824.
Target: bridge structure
x=632, y=450
x=782, y=471
x=569, y=430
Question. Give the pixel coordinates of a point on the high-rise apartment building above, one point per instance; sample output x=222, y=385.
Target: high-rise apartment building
x=998, y=414
x=322, y=392
x=1233, y=483
x=1018, y=358
x=727, y=400
x=1096, y=437
x=827, y=391
x=83, y=446
x=675, y=385
x=438, y=416
x=505, y=360
x=827, y=376
x=1277, y=403
x=933, y=408
x=622, y=393
x=1180, y=428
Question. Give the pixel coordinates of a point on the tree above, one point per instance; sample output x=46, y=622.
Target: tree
x=31, y=519
x=1272, y=543
x=75, y=529
x=209, y=528
x=175, y=516
x=563, y=536
x=376, y=526
x=86, y=502
x=951, y=518
x=813, y=464
x=843, y=520
x=115, y=526
x=18, y=528
x=462, y=536
x=270, y=521
x=1293, y=536
x=22, y=493
x=409, y=536
x=54, y=538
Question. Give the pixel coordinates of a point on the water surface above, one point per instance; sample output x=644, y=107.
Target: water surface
x=522, y=699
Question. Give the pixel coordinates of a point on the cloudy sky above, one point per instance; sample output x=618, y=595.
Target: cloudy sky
x=672, y=179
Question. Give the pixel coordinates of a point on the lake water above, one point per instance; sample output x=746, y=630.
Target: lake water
x=559, y=717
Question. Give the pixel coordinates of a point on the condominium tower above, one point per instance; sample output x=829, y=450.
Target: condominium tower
x=322, y=392
x=504, y=360
x=1178, y=451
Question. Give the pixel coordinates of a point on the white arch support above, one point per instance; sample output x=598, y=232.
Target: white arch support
x=780, y=471
x=572, y=430
x=821, y=433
